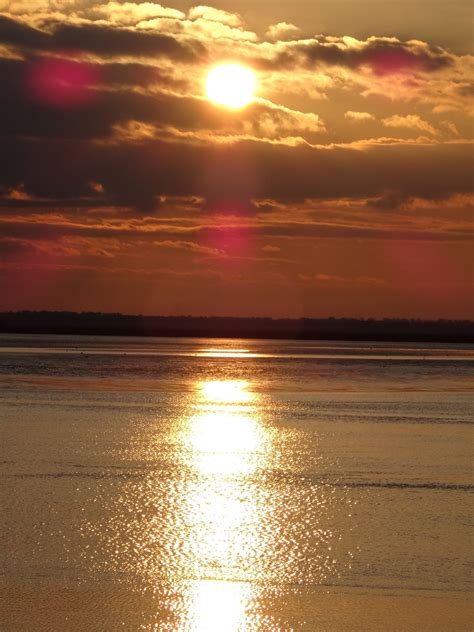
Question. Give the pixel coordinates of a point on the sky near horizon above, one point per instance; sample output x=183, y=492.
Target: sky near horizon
x=343, y=189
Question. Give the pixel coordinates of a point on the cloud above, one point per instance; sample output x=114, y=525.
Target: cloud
x=215, y=15
x=388, y=201
x=20, y=34
x=148, y=29
x=135, y=174
x=276, y=120
x=98, y=38
x=451, y=127
x=215, y=30
x=383, y=55
x=283, y=31
x=136, y=237
x=411, y=121
x=359, y=116
x=27, y=7
x=189, y=246
x=129, y=13
x=201, y=21
x=136, y=74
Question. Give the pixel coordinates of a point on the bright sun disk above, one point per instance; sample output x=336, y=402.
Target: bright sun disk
x=231, y=85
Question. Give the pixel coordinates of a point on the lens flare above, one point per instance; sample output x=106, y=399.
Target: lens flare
x=62, y=83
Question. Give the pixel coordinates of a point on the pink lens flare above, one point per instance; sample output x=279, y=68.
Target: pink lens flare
x=393, y=62
x=232, y=233
x=34, y=269
x=426, y=267
x=62, y=83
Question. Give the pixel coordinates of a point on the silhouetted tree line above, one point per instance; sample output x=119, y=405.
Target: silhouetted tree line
x=90, y=323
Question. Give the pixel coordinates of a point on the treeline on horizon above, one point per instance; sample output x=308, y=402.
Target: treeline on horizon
x=92, y=323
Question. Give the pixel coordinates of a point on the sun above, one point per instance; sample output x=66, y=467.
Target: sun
x=231, y=85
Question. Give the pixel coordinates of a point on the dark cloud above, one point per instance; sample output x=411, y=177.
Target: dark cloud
x=113, y=41
x=134, y=74
x=51, y=204
x=382, y=55
x=99, y=39
x=12, y=248
x=388, y=202
x=466, y=89
x=24, y=111
x=134, y=174
x=19, y=34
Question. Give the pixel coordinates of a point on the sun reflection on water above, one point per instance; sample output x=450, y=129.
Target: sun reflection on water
x=227, y=353
x=224, y=442
x=224, y=510
x=227, y=442
x=225, y=391
x=218, y=606
x=225, y=435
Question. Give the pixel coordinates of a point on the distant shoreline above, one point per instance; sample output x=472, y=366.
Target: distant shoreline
x=350, y=329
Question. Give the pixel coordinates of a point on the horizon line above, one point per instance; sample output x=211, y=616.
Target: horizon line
x=214, y=316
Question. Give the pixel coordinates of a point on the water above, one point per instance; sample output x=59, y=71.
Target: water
x=235, y=485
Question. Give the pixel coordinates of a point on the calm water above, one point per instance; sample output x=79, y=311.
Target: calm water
x=235, y=485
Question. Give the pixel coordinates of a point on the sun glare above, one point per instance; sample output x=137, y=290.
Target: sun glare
x=231, y=85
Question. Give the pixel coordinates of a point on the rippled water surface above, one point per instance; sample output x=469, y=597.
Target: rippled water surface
x=235, y=485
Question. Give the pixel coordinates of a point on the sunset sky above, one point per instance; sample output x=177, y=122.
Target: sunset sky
x=343, y=189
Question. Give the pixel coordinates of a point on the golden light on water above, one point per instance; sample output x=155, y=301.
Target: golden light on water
x=226, y=353
x=226, y=439
x=212, y=519
x=225, y=435
x=231, y=85
x=218, y=606
x=225, y=392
